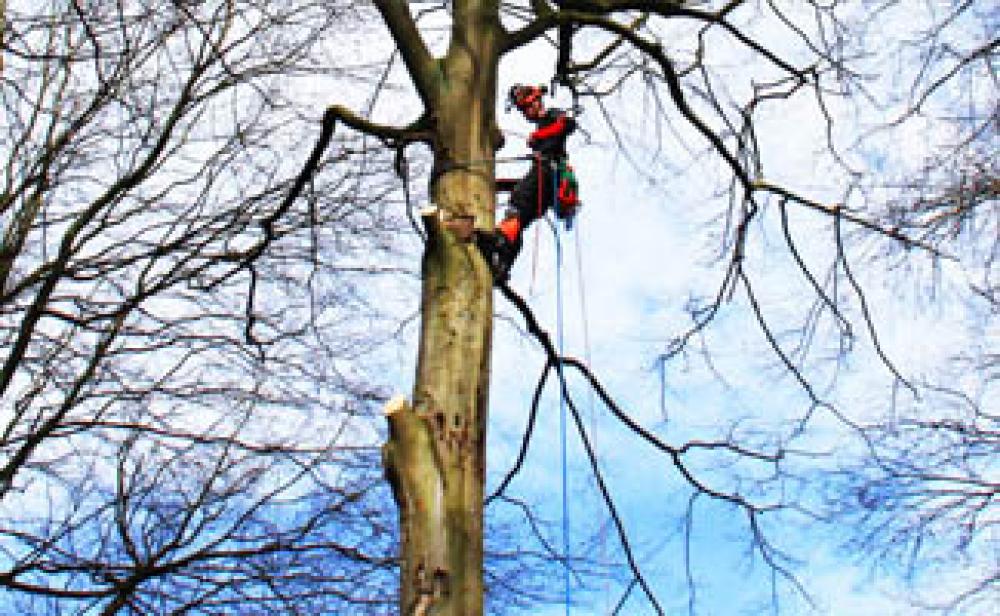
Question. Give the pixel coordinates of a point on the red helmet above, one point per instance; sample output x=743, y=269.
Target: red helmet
x=521, y=96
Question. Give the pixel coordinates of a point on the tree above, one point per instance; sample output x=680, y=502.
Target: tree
x=435, y=456
x=174, y=439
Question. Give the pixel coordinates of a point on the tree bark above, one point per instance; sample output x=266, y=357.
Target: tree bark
x=435, y=457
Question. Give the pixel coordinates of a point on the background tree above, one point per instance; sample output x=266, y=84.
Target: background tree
x=184, y=405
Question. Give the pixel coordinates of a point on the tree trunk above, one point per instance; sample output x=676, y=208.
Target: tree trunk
x=435, y=457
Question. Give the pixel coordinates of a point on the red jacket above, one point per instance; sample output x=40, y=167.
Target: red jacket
x=549, y=139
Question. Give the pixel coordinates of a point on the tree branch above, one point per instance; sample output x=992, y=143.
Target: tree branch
x=836, y=211
x=417, y=58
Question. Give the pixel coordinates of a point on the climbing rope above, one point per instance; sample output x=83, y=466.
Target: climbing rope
x=534, y=262
x=561, y=341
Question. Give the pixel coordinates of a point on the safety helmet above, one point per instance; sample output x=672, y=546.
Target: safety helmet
x=521, y=96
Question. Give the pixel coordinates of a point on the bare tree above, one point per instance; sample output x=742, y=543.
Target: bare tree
x=184, y=415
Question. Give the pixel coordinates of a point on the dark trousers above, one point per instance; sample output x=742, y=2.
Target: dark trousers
x=526, y=201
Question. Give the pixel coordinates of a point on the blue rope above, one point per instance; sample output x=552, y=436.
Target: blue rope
x=562, y=398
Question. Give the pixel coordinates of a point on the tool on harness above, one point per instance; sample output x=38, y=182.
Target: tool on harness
x=568, y=194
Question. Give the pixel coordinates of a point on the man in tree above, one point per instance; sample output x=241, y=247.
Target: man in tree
x=537, y=190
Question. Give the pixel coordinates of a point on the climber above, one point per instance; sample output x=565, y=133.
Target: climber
x=532, y=196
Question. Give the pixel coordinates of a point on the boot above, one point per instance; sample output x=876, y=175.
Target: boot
x=499, y=252
x=506, y=254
